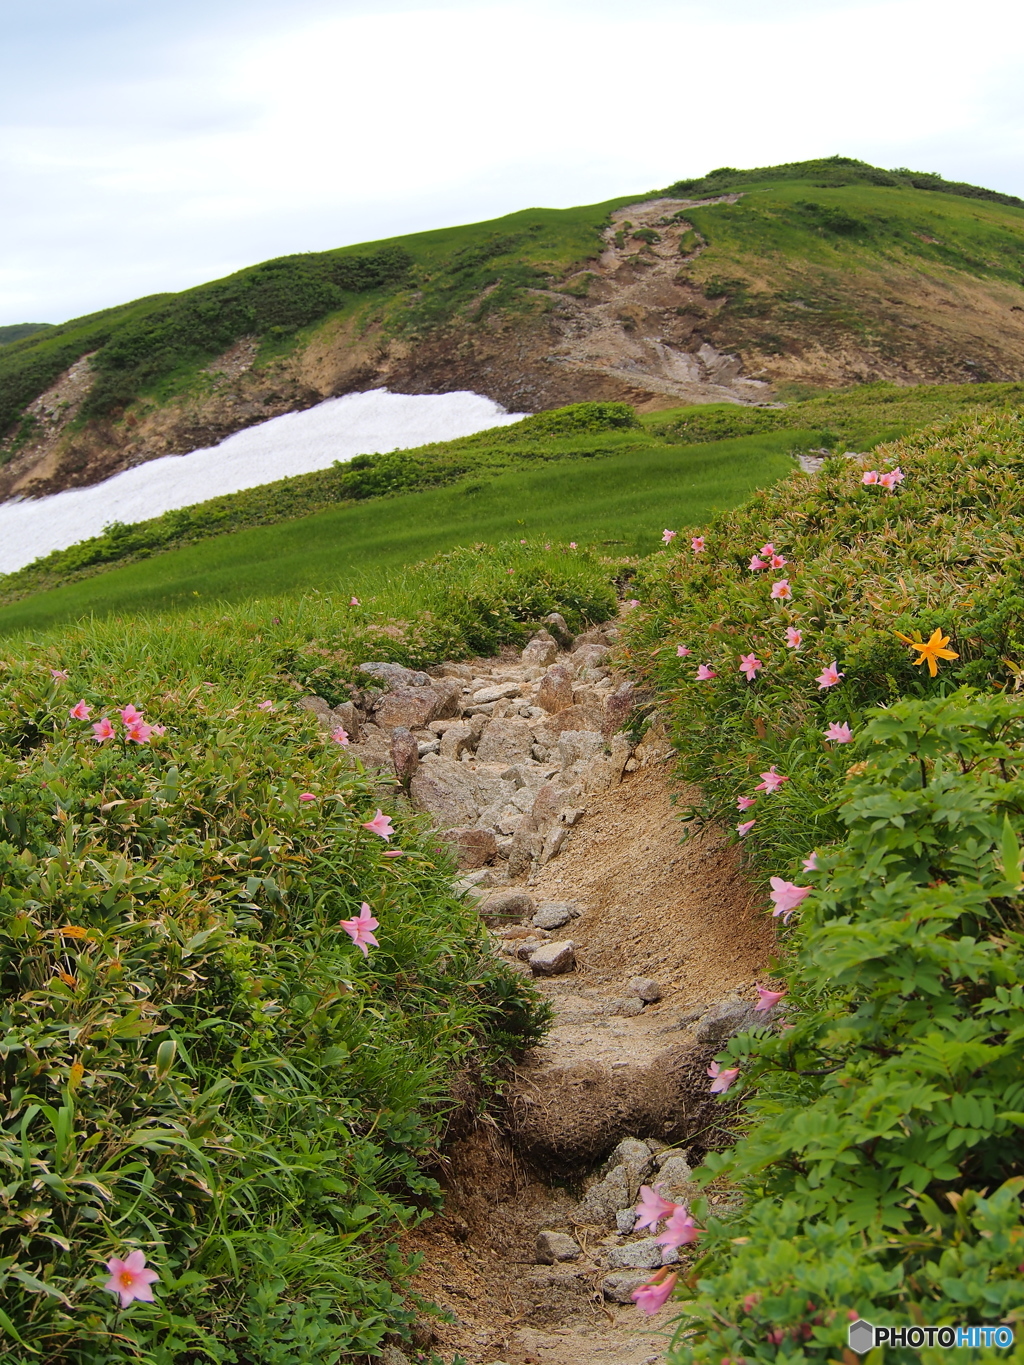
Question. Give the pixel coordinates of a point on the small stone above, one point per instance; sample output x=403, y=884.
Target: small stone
x=646, y=988
x=394, y=676
x=634, y=1157
x=625, y=1220
x=643, y=1255
x=540, y=753
x=554, y=958
x=429, y=746
x=524, y=949
x=553, y=914
x=391, y=1355
x=506, y=741
x=630, y=1007
x=411, y=707
x=473, y=847
x=405, y=754
x=553, y=841
x=495, y=693
x=606, y=1197
x=618, y=708
x=618, y=1288
x=346, y=715
x=590, y=656
x=723, y=1019
x=555, y=692
x=450, y=670
x=319, y=708
x=457, y=740
x=556, y=1246
x=504, y=905
x=631, y=765
x=556, y=623
x=542, y=649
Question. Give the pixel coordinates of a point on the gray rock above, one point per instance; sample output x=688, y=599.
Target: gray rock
x=411, y=707
x=553, y=841
x=346, y=715
x=457, y=740
x=506, y=905
x=391, y=1355
x=556, y=1246
x=618, y=708
x=590, y=655
x=625, y=1221
x=506, y=741
x=553, y=914
x=556, y=623
x=635, y=1158
x=450, y=670
x=473, y=847
x=405, y=754
x=555, y=691
x=618, y=1287
x=643, y=1255
x=496, y=692
x=394, y=676
x=675, y=1178
x=428, y=746
x=524, y=948
x=541, y=650
x=572, y=718
x=554, y=958
x=646, y=988
x=319, y=708
x=725, y=1018
x=603, y=1200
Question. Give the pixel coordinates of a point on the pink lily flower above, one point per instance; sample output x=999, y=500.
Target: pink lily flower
x=102, y=730
x=306, y=797
x=380, y=824
x=869, y=477
x=265, y=706
x=680, y=1230
x=722, y=1077
x=130, y=714
x=778, y=561
x=131, y=1279
x=633, y=602
x=650, y=1297
x=745, y=802
x=839, y=734
x=354, y=602
x=745, y=827
x=139, y=732
x=510, y=570
x=340, y=735
x=360, y=929
x=828, y=677
x=781, y=591
x=59, y=675
x=704, y=673
x=768, y=549
x=811, y=864
x=522, y=542
x=572, y=543
x=80, y=711
x=158, y=730
x=767, y=1000
x=794, y=637
x=652, y=1208
x=548, y=546
x=786, y=897
x=756, y=564
x=697, y=545
x=668, y=536
x=394, y=853
x=750, y=664
x=682, y=652
x=771, y=781
x=897, y=475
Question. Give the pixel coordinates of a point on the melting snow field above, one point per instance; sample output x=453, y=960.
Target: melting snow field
x=295, y=443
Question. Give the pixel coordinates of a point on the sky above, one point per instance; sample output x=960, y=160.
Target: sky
x=151, y=145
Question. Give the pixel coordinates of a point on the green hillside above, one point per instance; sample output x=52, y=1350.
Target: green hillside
x=18, y=330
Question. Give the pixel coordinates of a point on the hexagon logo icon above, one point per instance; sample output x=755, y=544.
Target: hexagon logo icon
x=861, y=1336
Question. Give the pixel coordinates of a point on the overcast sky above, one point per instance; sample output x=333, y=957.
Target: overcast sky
x=149, y=145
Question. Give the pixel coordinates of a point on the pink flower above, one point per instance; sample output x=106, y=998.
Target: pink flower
x=130, y=1279
x=892, y=478
x=828, y=677
x=265, y=706
x=102, y=730
x=380, y=824
x=522, y=542
x=768, y=549
x=897, y=475
x=787, y=896
x=811, y=864
x=839, y=734
x=633, y=602
x=697, y=545
x=340, y=735
x=771, y=781
x=652, y=1208
x=139, y=732
x=572, y=544
x=704, y=673
x=650, y=1297
x=682, y=652
x=360, y=929
x=548, y=546
x=745, y=827
x=130, y=714
x=59, y=675
x=745, y=802
x=354, y=602
x=394, y=853
x=80, y=711
x=766, y=999
x=750, y=664
x=781, y=591
x=668, y=536
x=794, y=637
x=870, y=476
x=777, y=561
x=510, y=570
x=159, y=730
x=306, y=797
x=680, y=1230
x=722, y=1078
x=756, y=564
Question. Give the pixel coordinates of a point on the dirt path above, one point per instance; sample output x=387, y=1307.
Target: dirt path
x=563, y=821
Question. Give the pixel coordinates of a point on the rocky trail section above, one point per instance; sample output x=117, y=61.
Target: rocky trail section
x=646, y=948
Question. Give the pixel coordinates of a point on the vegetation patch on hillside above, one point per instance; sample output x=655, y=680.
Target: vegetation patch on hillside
x=840, y=661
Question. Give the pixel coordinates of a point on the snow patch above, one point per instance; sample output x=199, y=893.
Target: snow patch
x=294, y=443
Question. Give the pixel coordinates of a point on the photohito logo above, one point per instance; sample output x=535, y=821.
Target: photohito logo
x=863, y=1336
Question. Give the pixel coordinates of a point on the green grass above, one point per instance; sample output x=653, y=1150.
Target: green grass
x=620, y=502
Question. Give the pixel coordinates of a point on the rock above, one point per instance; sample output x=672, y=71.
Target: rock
x=457, y=740
x=576, y=749
x=405, y=754
x=542, y=649
x=553, y=914
x=618, y=708
x=506, y=741
x=555, y=691
x=571, y=718
x=625, y=1221
x=428, y=746
x=496, y=693
x=391, y=1355
x=605, y=769
x=646, y=988
x=540, y=753
x=634, y=1157
x=553, y=841
x=554, y=958
x=643, y=1255
x=394, y=676
x=590, y=656
x=523, y=949
x=450, y=670
x=603, y=1201
x=675, y=1179
x=630, y=1007
x=507, y=905
x=618, y=1287
x=411, y=707
x=346, y=715
x=556, y=1246
x=556, y=623
x=319, y=708
x=473, y=847
x=723, y=1019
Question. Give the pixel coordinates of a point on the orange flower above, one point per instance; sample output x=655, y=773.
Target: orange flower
x=931, y=649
